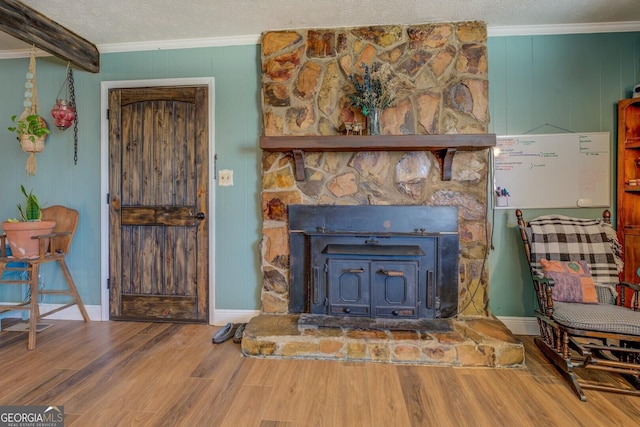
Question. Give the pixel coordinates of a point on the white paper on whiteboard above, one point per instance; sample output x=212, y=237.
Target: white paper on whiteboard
x=554, y=170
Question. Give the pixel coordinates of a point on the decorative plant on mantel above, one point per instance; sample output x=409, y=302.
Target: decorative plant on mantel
x=375, y=91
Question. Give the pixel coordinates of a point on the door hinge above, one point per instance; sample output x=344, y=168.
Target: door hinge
x=108, y=199
x=109, y=283
x=108, y=114
x=326, y=301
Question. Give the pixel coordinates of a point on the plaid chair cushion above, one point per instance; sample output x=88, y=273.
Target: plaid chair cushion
x=596, y=317
x=562, y=238
x=606, y=295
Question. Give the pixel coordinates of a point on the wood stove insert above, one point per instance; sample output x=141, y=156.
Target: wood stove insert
x=374, y=261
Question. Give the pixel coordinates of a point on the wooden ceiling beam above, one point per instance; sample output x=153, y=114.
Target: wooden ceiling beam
x=30, y=26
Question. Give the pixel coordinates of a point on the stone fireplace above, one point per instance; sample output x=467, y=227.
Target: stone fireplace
x=305, y=102
x=305, y=92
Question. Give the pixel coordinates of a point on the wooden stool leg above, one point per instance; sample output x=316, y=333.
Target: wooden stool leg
x=73, y=289
x=34, y=310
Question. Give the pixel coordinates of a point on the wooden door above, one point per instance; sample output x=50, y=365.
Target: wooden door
x=158, y=199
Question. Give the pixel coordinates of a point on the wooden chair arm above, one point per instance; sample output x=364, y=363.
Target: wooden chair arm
x=544, y=292
x=632, y=286
x=3, y=245
x=635, y=289
x=51, y=236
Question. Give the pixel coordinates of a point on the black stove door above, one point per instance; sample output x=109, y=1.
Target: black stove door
x=394, y=289
x=348, y=290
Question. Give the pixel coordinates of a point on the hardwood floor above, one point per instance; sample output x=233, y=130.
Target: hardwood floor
x=160, y=374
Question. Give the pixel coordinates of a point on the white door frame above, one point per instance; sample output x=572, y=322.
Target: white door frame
x=104, y=180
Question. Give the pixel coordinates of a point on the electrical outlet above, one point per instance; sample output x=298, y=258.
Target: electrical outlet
x=225, y=178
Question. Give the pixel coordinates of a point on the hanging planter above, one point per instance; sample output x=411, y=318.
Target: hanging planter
x=63, y=114
x=32, y=131
x=30, y=128
x=30, y=145
x=64, y=111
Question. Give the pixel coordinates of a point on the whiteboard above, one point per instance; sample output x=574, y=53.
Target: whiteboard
x=552, y=170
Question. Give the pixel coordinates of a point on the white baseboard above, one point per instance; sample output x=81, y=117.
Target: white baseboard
x=222, y=317
x=517, y=325
x=521, y=325
x=71, y=313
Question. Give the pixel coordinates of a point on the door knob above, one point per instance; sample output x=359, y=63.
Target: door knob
x=200, y=215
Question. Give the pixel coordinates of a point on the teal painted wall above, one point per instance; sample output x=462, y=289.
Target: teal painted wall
x=237, y=129
x=569, y=81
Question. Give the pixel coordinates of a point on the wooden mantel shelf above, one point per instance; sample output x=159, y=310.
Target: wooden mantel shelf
x=443, y=147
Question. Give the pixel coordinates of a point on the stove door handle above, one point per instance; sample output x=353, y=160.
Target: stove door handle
x=391, y=273
x=356, y=270
x=430, y=289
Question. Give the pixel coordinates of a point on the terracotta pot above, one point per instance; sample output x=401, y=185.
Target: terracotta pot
x=19, y=237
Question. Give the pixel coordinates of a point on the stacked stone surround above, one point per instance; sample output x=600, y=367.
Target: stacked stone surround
x=305, y=88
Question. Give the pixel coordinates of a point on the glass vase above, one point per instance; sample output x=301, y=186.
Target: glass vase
x=373, y=121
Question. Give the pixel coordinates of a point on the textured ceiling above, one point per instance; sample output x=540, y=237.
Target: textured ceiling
x=113, y=22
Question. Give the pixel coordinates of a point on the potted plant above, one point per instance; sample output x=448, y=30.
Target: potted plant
x=20, y=231
x=31, y=131
x=375, y=91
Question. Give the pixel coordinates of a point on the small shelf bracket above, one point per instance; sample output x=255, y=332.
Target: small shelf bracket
x=445, y=160
x=298, y=164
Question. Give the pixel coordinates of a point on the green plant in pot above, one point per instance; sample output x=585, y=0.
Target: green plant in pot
x=19, y=232
x=32, y=127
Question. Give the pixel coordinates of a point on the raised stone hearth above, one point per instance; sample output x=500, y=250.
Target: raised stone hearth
x=477, y=341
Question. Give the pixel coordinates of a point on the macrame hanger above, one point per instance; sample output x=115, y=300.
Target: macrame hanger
x=31, y=105
x=31, y=87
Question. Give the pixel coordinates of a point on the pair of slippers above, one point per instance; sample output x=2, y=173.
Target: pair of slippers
x=229, y=330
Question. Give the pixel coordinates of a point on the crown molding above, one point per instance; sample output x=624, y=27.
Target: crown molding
x=537, y=30
x=180, y=44
x=498, y=31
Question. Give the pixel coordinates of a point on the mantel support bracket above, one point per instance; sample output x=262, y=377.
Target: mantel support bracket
x=298, y=164
x=444, y=157
x=444, y=147
x=445, y=160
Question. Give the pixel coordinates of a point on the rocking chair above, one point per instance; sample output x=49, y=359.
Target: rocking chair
x=574, y=266
x=56, y=250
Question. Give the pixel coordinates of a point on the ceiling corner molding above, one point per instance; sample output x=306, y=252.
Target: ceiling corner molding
x=180, y=44
x=536, y=30
x=21, y=53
